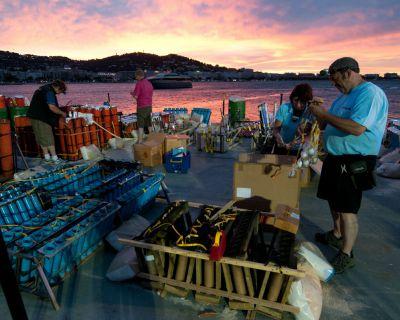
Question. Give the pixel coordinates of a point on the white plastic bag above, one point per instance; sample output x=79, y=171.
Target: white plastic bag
x=116, y=143
x=91, y=152
x=316, y=259
x=124, y=266
x=129, y=229
x=389, y=170
x=391, y=157
x=306, y=294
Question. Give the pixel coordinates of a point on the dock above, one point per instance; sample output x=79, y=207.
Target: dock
x=368, y=291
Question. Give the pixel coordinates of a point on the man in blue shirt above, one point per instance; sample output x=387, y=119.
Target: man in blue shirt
x=354, y=128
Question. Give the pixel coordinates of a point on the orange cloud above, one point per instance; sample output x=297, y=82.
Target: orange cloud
x=273, y=37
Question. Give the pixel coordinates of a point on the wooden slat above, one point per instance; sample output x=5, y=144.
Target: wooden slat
x=263, y=285
x=277, y=315
x=265, y=303
x=228, y=278
x=225, y=260
x=199, y=272
x=159, y=264
x=251, y=315
x=218, y=275
x=180, y=292
x=207, y=298
x=222, y=210
x=171, y=265
x=190, y=270
x=199, y=205
x=249, y=282
x=287, y=290
x=239, y=305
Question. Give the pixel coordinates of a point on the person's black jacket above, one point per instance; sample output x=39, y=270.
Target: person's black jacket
x=39, y=109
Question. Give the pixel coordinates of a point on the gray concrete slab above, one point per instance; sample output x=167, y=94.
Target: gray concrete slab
x=369, y=291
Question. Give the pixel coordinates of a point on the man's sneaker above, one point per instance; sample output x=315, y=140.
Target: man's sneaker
x=57, y=161
x=330, y=239
x=342, y=261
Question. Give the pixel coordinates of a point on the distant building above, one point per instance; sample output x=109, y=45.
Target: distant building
x=125, y=76
x=391, y=75
x=246, y=73
x=371, y=76
x=289, y=76
x=307, y=75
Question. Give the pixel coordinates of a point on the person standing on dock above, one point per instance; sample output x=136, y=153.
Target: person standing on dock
x=44, y=113
x=143, y=94
x=354, y=128
x=288, y=119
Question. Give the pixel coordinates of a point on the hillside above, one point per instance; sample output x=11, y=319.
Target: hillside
x=11, y=61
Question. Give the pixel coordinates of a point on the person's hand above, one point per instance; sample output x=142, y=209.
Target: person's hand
x=317, y=110
x=317, y=101
x=279, y=141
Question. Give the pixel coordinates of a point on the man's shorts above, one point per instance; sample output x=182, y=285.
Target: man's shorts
x=43, y=133
x=342, y=185
x=144, y=117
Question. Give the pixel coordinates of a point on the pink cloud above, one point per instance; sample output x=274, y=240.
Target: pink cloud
x=236, y=34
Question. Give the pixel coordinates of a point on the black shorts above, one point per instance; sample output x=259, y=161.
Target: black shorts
x=144, y=117
x=344, y=178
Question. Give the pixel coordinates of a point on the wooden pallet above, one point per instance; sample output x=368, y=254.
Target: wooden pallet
x=180, y=272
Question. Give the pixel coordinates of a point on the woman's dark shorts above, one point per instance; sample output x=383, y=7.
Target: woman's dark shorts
x=344, y=178
x=144, y=117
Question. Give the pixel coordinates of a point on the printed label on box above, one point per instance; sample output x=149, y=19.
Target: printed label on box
x=243, y=192
x=294, y=215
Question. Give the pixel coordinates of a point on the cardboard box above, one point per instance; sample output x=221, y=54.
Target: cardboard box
x=159, y=137
x=176, y=141
x=268, y=177
x=267, y=158
x=149, y=153
x=287, y=218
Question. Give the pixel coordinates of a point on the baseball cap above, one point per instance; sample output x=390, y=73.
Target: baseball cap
x=60, y=85
x=344, y=63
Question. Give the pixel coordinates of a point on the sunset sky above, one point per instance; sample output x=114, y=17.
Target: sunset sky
x=269, y=36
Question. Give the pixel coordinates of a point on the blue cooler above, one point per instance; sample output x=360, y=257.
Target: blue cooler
x=177, y=163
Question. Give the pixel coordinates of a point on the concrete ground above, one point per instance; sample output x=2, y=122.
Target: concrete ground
x=369, y=291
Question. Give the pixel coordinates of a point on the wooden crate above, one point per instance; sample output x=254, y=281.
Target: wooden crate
x=248, y=285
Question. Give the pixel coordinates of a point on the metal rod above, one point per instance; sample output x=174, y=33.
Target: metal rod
x=9, y=285
x=48, y=287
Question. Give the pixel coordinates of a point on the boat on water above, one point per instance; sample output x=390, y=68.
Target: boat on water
x=170, y=81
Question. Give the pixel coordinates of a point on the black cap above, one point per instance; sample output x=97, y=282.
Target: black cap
x=344, y=63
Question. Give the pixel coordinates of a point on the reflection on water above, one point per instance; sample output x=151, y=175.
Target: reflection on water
x=203, y=94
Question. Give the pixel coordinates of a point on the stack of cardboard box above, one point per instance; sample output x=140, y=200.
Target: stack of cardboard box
x=151, y=152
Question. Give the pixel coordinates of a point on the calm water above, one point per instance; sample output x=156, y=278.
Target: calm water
x=203, y=94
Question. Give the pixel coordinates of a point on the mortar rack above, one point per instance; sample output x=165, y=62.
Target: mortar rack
x=247, y=284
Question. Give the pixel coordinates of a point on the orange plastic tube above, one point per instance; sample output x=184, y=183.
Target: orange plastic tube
x=97, y=118
x=60, y=133
x=85, y=133
x=93, y=135
x=3, y=102
x=107, y=123
x=78, y=133
x=6, y=157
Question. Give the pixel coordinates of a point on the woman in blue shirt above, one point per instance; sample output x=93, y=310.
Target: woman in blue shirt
x=289, y=117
